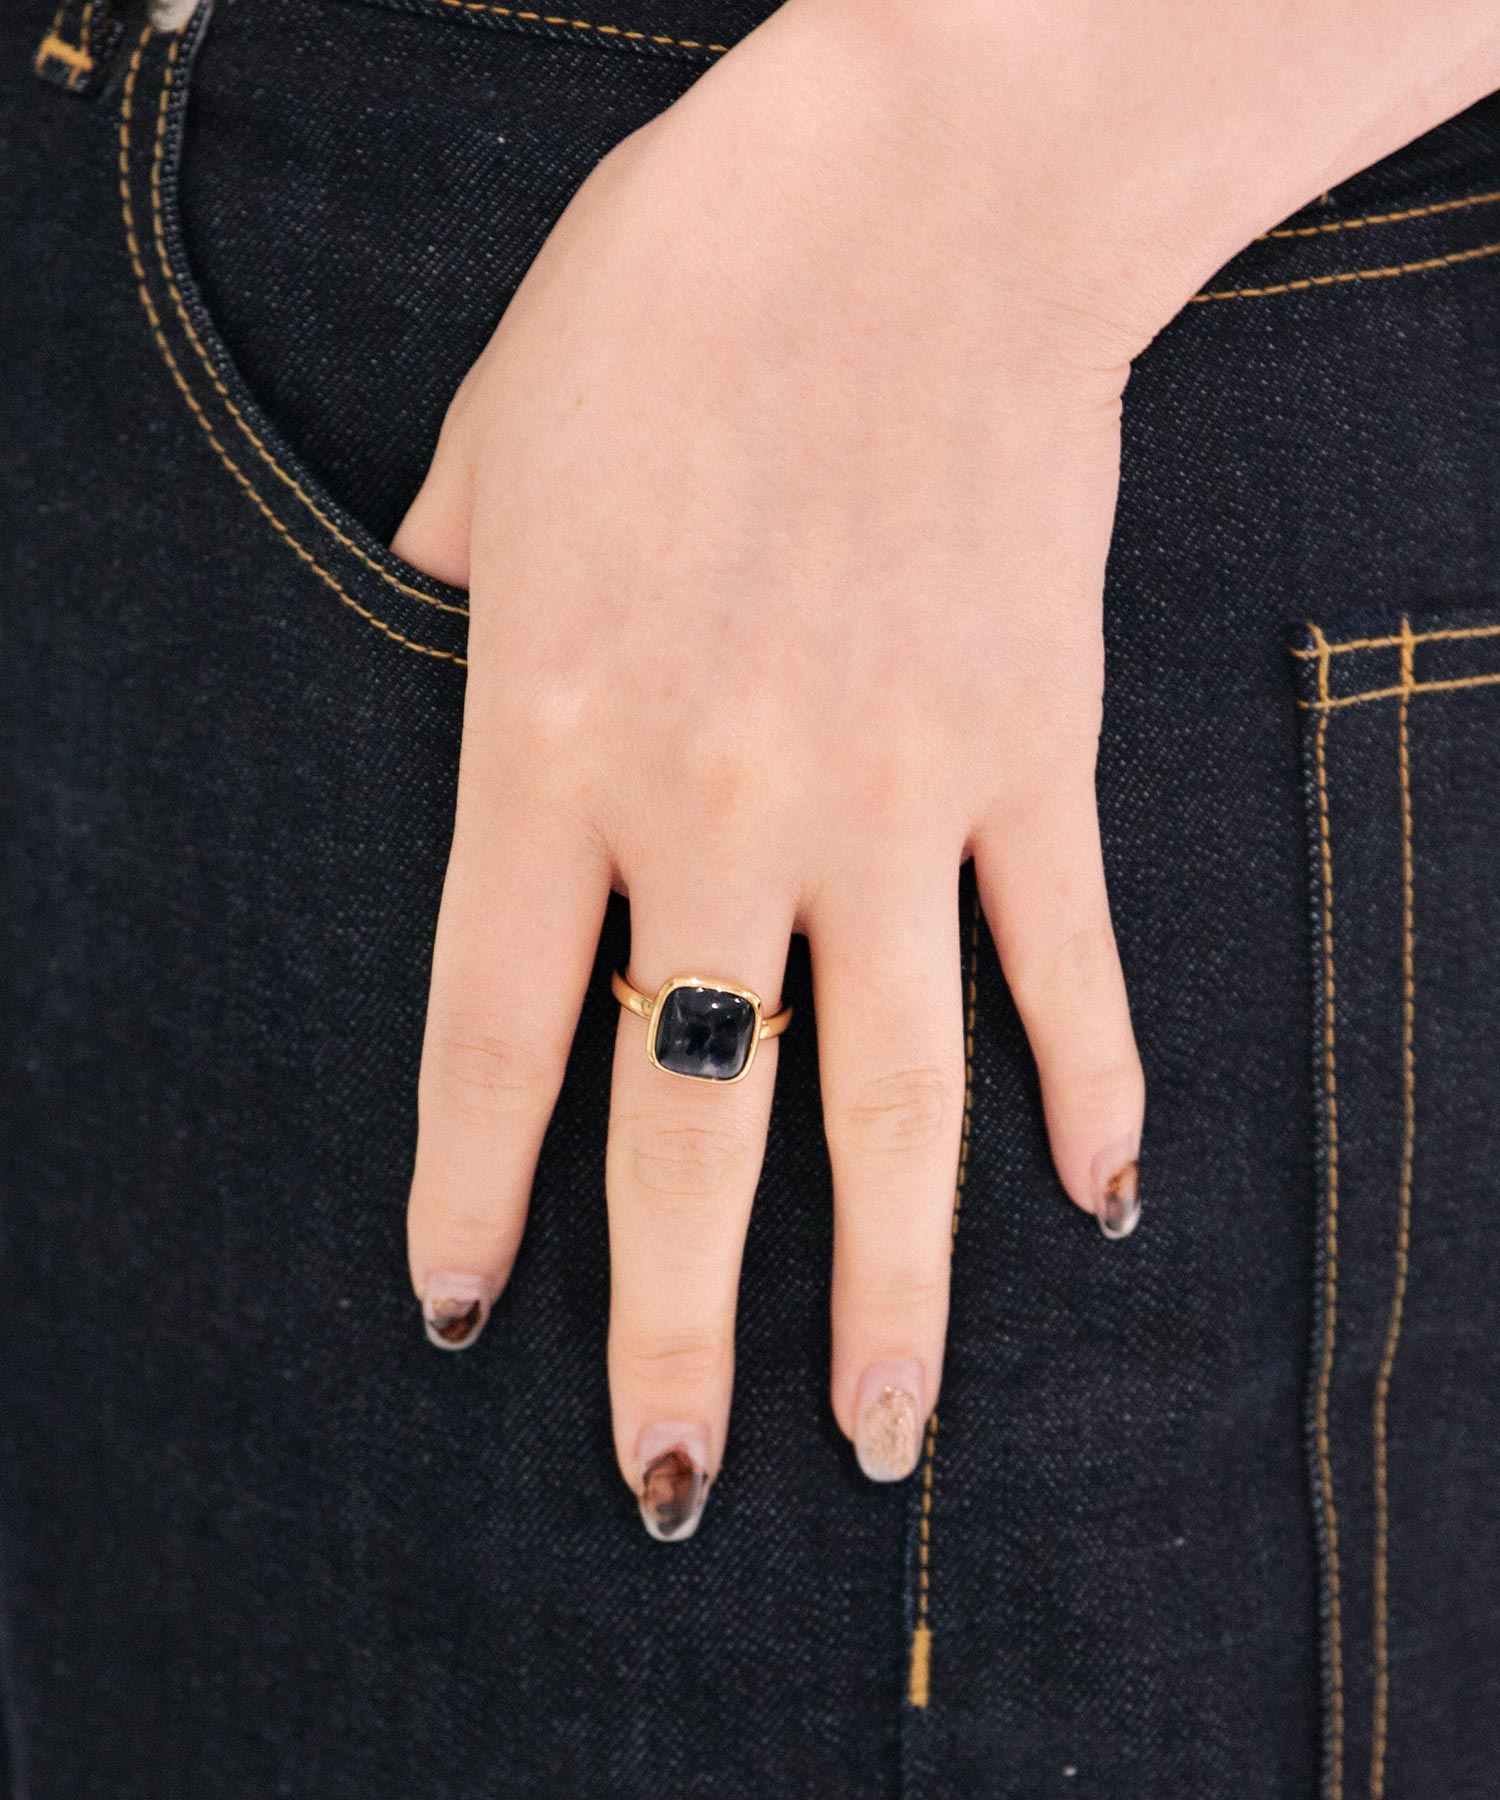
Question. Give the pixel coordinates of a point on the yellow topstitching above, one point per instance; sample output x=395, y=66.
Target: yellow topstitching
x=919, y=1678
x=607, y=31
x=204, y=358
x=1403, y=1232
x=1330, y=1258
x=1350, y=275
x=154, y=321
x=1385, y=218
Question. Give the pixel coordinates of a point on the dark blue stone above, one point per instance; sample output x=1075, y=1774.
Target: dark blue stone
x=704, y=1032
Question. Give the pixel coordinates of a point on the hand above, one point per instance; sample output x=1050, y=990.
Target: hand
x=785, y=599
x=783, y=493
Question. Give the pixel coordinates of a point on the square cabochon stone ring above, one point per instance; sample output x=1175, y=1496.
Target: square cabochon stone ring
x=707, y=1030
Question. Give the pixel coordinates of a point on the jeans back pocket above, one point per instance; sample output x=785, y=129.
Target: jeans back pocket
x=1401, y=745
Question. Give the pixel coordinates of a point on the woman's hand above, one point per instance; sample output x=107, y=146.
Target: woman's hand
x=784, y=507
x=783, y=493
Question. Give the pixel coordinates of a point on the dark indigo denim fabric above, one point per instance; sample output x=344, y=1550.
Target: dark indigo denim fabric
x=1210, y=1514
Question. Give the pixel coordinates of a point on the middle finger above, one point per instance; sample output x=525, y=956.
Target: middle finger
x=681, y=1167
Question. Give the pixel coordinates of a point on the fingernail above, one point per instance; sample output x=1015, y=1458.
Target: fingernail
x=1120, y=1204
x=673, y=1464
x=888, y=1420
x=454, y=1310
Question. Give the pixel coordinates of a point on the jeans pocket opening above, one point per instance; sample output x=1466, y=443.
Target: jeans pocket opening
x=407, y=606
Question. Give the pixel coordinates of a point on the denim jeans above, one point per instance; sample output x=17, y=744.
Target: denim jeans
x=1210, y=1514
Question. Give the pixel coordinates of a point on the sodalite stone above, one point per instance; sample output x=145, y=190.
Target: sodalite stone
x=704, y=1032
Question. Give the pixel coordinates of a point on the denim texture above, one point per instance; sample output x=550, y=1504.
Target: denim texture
x=1208, y=1514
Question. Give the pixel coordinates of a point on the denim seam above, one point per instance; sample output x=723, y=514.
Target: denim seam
x=1405, y=641
x=1403, y=1227
x=604, y=33
x=1401, y=692
x=919, y=1675
x=1326, y=1327
x=213, y=375
x=1327, y=1510
x=154, y=320
x=1446, y=633
x=1491, y=198
x=1343, y=276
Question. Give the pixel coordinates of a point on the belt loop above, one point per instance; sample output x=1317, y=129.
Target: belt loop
x=80, y=43
x=74, y=55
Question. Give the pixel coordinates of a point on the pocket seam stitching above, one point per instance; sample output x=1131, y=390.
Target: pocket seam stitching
x=1322, y=1401
x=1449, y=685
x=1489, y=198
x=1381, y=1623
x=1395, y=641
x=211, y=370
x=605, y=31
x=154, y=321
x=1343, y=276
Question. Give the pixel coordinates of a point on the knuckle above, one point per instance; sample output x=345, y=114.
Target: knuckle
x=678, y=1160
x=906, y=1110
x=554, y=716
x=725, y=780
x=893, y=778
x=723, y=785
x=464, y=1228
x=533, y=755
x=892, y=1295
x=484, y=1077
x=1069, y=971
x=672, y=1361
x=1118, y=1086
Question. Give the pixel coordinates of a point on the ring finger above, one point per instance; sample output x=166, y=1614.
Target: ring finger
x=887, y=982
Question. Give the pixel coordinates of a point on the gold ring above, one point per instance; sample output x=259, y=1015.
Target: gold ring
x=705, y=1029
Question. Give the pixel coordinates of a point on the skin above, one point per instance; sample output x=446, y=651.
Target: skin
x=783, y=492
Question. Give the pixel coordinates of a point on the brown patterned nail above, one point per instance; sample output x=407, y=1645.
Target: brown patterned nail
x=454, y=1310
x=888, y=1420
x=1120, y=1207
x=673, y=1463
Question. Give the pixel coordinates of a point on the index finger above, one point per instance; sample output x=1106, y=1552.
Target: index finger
x=523, y=903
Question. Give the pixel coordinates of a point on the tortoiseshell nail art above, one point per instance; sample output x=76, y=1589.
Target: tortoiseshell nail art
x=673, y=1463
x=1120, y=1208
x=454, y=1310
x=888, y=1420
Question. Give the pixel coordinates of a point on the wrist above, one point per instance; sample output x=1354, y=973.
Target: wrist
x=1117, y=152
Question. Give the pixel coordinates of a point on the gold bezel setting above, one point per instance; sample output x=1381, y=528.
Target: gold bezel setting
x=708, y=984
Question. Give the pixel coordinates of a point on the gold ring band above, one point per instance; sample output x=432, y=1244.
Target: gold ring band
x=700, y=1027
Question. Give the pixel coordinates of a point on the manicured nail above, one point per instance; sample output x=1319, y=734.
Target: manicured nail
x=454, y=1310
x=888, y=1420
x=673, y=1464
x=1120, y=1205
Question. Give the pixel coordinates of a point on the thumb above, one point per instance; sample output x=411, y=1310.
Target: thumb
x=434, y=535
